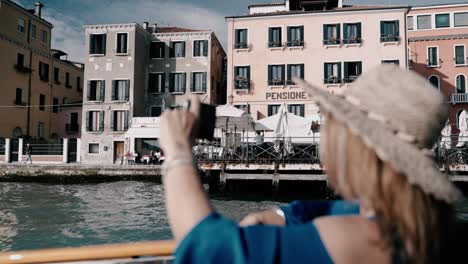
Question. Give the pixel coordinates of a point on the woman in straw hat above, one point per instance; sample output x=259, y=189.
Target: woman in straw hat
x=374, y=146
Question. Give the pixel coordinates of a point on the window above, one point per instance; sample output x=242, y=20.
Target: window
x=95, y=121
x=461, y=84
x=198, y=82
x=352, y=33
x=20, y=25
x=157, y=50
x=41, y=102
x=332, y=73
x=120, y=90
x=352, y=70
x=242, y=77
x=55, y=105
x=44, y=37
x=275, y=37
x=67, y=80
x=78, y=84
x=276, y=75
x=389, y=31
x=40, y=130
x=432, y=57
x=442, y=20
x=241, y=41
x=177, y=49
x=44, y=71
x=331, y=34
x=460, y=58
x=20, y=61
x=157, y=83
x=119, y=121
x=297, y=109
x=122, y=43
x=434, y=80
x=273, y=109
x=424, y=22
x=156, y=111
x=93, y=148
x=96, y=90
x=177, y=83
x=410, y=22
x=295, y=36
x=56, y=75
x=19, y=96
x=395, y=62
x=97, y=44
x=33, y=31
x=295, y=70
x=461, y=19
x=200, y=48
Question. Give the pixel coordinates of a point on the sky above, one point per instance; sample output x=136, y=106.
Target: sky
x=69, y=16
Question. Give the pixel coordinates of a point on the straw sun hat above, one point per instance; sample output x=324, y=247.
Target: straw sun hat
x=399, y=115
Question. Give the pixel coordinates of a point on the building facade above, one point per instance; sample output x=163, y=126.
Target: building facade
x=36, y=80
x=136, y=71
x=324, y=43
x=438, y=41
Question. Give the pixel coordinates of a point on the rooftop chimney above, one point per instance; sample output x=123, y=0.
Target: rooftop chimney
x=38, y=9
x=155, y=28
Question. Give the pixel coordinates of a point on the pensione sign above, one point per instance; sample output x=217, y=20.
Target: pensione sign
x=286, y=96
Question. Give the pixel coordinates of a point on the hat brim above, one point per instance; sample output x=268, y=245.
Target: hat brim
x=401, y=155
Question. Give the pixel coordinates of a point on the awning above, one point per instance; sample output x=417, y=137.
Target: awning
x=143, y=132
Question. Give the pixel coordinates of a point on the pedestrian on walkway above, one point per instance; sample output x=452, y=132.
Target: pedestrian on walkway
x=29, y=153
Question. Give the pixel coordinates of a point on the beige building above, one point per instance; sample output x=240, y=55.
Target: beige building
x=37, y=81
x=323, y=42
x=135, y=71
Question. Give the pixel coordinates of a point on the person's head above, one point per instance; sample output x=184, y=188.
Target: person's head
x=373, y=147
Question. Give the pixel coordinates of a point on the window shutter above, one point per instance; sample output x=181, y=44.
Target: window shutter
x=270, y=73
x=289, y=72
x=283, y=72
x=87, y=121
x=302, y=111
x=346, y=65
x=236, y=36
x=359, y=25
x=302, y=71
x=127, y=90
x=382, y=29
x=289, y=34
x=114, y=88
x=172, y=50
x=397, y=28
x=325, y=71
x=184, y=82
x=91, y=44
x=338, y=32
x=192, y=82
x=270, y=35
x=104, y=44
x=325, y=35
x=162, y=89
x=302, y=32
x=88, y=90
x=204, y=82
x=101, y=121
x=126, y=120
x=102, y=89
x=248, y=77
x=345, y=32
x=359, y=68
x=171, y=82
x=183, y=49
x=113, y=127
x=339, y=70
x=196, y=48
x=205, y=48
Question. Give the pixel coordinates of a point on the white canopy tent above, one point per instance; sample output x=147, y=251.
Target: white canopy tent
x=463, y=127
x=446, y=141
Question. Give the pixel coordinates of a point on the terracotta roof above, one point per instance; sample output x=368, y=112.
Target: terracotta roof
x=266, y=4
x=176, y=29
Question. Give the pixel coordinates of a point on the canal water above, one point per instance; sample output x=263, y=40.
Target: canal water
x=34, y=216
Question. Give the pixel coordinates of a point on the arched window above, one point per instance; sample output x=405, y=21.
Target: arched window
x=461, y=84
x=434, y=80
x=17, y=132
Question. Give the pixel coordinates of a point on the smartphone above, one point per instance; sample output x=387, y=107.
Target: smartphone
x=207, y=121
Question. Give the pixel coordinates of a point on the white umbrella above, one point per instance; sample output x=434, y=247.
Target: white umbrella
x=230, y=117
x=463, y=127
x=446, y=141
x=282, y=130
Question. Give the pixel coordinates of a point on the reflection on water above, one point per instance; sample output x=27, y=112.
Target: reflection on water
x=48, y=216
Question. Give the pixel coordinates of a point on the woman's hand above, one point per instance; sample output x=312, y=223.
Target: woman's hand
x=176, y=129
x=269, y=217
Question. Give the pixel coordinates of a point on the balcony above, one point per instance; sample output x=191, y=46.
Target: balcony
x=241, y=83
x=241, y=45
x=22, y=69
x=459, y=98
x=389, y=38
x=72, y=128
x=275, y=44
x=295, y=43
x=276, y=82
x=352, y=40
x=332, y=80
x=350, y=79
x=331, y=41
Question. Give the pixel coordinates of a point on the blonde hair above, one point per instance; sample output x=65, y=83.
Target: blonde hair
x=411, y=222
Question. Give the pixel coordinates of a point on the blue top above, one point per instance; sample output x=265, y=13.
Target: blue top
x=218, y=240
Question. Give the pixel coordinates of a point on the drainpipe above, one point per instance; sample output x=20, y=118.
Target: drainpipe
x=28, y=118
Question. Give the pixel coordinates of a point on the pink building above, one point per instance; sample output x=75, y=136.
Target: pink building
x=438, y=37
x=323, y=42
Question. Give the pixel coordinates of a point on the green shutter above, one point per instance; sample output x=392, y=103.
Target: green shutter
x=345, y=33
x=163, y=83
x=205, y=48
x=126, y=120
x=338, y=33
x=382, y=29
x=270, y=36
x=183, y=49
x=91, y=44
x=102, y=90
x=236, y=35
x=248, y=77
x=397, y=28
x=101, y=121
x=87, y=121
x=89, y=90
x=302, y=71
x=302, y=32
x=289, y=72
x=270, y=73
x=171, y=50
x=127, y=90
x=359, y=68
x=204, y=82
x=184, y=82
x=359, y=32
x=346, y=75
x=192, y=82
x=289, y=34
x=339, y=70
x=171, y=82
x=114, y=88
x=302, y=110
x=112, y=120
x=325, y=71
x=325, y=35
x=104, y=44
x=283, y=72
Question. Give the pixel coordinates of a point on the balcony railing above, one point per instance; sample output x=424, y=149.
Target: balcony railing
x=72, y=128
x=275, y=44
x=22, y=68
x=241, y=45
x=242, y=84
x=276, y=82
x=389, y=38
x=459, y=98
x=295, y=43
x=350, y=79
x=352, y=40
x=332, y=80
x=331, y=41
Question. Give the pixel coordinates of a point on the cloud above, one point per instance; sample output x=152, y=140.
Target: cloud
x=69, y=17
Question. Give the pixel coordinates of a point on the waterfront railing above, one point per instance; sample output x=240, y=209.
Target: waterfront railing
x=45, y=149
